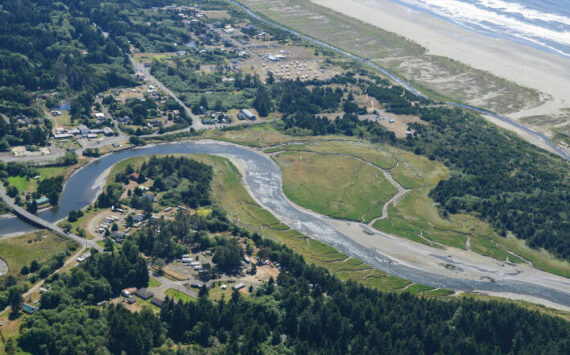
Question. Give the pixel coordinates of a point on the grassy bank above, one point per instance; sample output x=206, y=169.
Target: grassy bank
x=337, y=186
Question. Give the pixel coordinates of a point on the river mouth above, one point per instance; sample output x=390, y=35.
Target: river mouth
x=263, y=179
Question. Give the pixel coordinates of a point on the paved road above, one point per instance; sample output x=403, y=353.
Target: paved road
x=166, y=284
x=196, y=122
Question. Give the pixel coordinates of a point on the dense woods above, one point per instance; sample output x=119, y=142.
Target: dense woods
x=306, y=310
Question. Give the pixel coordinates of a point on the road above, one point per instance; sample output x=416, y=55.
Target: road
x=196, y=122
x=22, y=213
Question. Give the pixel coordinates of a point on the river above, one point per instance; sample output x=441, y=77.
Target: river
x=264, y=181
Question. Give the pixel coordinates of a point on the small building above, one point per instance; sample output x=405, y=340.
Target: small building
x=134, y=176
x=238, y=286
x=124, y=120
x=127, y=292
x=28, y=308
x=138, y=218
x=149, y=196
x=83, y=257
x=144, y=293
x=62, y=135
x=156, y=123
x=108, y=131
x=42, y=201
x=100, y=116
x=118, y=237
x=83, y=130
x=246, y=114
x=196, y=284
x=131, y=300
x=157, y=302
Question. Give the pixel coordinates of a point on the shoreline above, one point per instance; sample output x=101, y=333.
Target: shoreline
x=527, y=66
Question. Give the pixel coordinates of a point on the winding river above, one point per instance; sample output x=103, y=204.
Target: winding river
x=263, y=179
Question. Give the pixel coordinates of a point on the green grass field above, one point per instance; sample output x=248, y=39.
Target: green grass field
x=179, y=295
x=152, y=282
x=22, y=183
x=336, y=186
x=22, y=250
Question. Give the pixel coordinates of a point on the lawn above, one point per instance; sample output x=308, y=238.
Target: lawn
x=337, y=186
x=179, y=295
x=22, y=183
x=152, y=282
x=22, y=250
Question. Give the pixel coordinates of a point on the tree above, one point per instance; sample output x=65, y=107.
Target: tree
x=204, y=102
x=262, y=102
x=228, y=256
x=159, y=264
x=16, y=302
x=33, y=207
x=219, y=105
x=12, y=191
x=109, y=245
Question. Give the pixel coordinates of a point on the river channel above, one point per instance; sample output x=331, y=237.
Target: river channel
x=264, y=181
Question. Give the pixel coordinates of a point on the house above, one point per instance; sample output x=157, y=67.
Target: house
x=238, y=286
x=134, y=176
x=157, y=302
x=246, y=114
x=108, y=131
x=83, y=257
x=144, y=293
x=83, y=130
x=127, y=292
x=73, y=131
x=29, y=309
x=42, y=201
x=138, y=218
x=156, y=123
x=62, y=135
x=149, y=196
x=100, y=116
x=118, y=236
x=124, y=120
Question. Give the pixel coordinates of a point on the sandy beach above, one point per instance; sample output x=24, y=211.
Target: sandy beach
x=529, y=67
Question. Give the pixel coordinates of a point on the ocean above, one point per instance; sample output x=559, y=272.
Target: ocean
x=543, y=24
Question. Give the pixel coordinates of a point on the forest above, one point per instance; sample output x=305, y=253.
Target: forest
x=304, y=311
x=48, y=52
